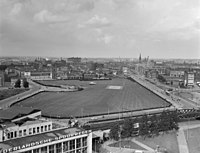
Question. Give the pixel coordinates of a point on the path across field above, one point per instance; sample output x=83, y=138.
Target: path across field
x=105, y=97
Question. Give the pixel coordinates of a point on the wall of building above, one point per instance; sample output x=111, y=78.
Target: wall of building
x=27, y=130
x=77, y=142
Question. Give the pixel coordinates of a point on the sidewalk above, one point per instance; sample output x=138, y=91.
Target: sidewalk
x=182, y=141
x=126, y=150
x=183, y=148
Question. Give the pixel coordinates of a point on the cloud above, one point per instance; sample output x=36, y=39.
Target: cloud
x=97, y=21
x=86, y=5
x=16, y=9
x=46, y=16
x=105, y=38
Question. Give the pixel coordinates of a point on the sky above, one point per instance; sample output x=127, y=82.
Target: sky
x=100, y=28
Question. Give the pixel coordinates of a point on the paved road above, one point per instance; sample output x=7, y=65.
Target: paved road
x=181, y=103
x=34, y=88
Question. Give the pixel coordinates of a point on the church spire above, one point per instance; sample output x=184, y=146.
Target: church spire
x=140, y=58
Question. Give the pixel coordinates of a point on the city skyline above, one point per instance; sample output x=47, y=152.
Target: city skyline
x=100, y=28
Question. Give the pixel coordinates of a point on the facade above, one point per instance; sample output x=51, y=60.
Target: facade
x=64, y=140
x=152, y=73
x=32, y=134
x=10, y=130
x=38, y=75
x=13, y=81
x=2, y=79
x=74, y=59
x=189, y=79
x=177, y=74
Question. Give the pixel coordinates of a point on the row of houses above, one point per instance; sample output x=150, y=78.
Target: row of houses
x=171, y=75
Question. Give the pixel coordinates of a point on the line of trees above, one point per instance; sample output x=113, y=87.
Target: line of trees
x=146, y=126
x=18, y=84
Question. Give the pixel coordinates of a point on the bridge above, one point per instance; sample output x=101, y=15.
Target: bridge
x=188, y=113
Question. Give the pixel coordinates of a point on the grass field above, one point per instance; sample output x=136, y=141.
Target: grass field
x=193, y=140
x=106, y=96
x=167, y=141
x=6, y=93
x=126, y=144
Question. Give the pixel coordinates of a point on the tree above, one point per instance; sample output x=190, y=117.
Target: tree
x=143, y=128
x=127, y=128
x=161, y=78
x=114, y=132
x=17, y=83
x=26, y=84
x=153, y=127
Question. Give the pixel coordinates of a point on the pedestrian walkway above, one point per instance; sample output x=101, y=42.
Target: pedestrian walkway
x=142, y=145
x=183, y=147
x=127, y=150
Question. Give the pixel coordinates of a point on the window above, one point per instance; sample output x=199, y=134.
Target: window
x=24, y=132
x=84, y=150
x=58, y=148
x=51, y=149
x=38, y=129
x=42, y=128
x=20, y=133
x=49, y=127
x=44, y=150
x=72, y=144
x=15, y=134
x=8, y=135
x=79, y=151
x=36, y=150
x=45, y=128
x=28, y=151
x=30, y=131
x=84, y=141
x=11, y=135
x=66, y=146
x=33, y=130
x=78, y=143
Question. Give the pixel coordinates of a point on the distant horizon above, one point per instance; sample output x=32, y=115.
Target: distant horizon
x=101, y=28
x=99, y=57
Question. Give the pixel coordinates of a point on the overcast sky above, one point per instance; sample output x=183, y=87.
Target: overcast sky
x=100, y=28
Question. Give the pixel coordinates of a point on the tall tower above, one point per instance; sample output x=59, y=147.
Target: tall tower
x=140, y=58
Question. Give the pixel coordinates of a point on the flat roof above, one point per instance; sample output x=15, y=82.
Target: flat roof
x=15, y=111
x=50, y=135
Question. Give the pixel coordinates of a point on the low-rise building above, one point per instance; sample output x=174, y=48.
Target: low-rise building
x=2, y=79
x=39, y=75
x=189, y=79
x=28, y=133
x=177, y=73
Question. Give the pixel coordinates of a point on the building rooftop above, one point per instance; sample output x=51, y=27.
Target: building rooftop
x=45, y=137
x=16, y=111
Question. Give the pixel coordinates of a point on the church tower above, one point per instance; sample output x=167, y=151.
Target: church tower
x=140, y=58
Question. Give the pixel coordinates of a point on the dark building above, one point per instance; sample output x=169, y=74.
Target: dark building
x=74, y=59
x=2, y=79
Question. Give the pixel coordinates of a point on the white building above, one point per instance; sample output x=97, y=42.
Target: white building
x=189, y=79
x=65, y=140
x=27, y=132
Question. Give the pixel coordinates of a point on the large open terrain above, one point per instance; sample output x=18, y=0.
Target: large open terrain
x=105, y=97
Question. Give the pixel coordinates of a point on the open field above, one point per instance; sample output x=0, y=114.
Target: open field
x=167, y=141
x=126, y=144
x=194, y=96
x=106, y=96
x=193, y=139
